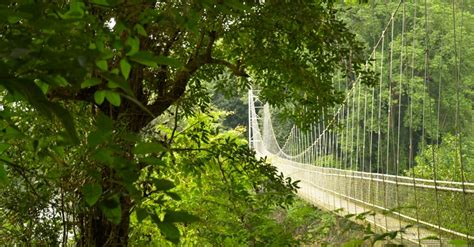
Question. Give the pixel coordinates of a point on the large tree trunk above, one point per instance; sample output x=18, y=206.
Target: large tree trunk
x=105, y=233
x=97, y=230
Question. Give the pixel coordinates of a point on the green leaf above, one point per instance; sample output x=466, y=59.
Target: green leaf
x=76, y=10
x=458, y=242
x=92, y=193
x=66, y=119
x=236, y=4
x=43, y=85
x=3, y=175
x=100, y=2
x=148, y=147
x=170, y=231
x=383, y=236
x=99, y=96
x=148, y=59
x=97, y=137
x=125, y=68
x=113, y=97
x=163, y=184
x=3, y=147
x=173, y=195
x=134, y=45
x=141, y=214
x=130, y=137
x=104, y=122
x=144, y=58
x=90, y=82
x=57, y=80
x=140, y=30
x=153, y=161
x=28, y=90
x=115, y=81
x=99, y=43
x=12, y=132
x=347, y=216
x=102, y=64
x=180, y=216
x=169, y=61
x=354, y=243
x=112, y=209
x=114, y=2
x=105, y=156
x=393, y=234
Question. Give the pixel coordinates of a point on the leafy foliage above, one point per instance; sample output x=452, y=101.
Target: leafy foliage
x=81, y=81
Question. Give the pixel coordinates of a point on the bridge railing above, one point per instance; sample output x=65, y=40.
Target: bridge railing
x=394, y=195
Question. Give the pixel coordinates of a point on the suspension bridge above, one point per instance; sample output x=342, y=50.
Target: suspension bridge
x=378, y=155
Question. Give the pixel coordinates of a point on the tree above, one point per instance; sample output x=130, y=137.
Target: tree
x=218, y=179
x=430, y=89
x=91, y=75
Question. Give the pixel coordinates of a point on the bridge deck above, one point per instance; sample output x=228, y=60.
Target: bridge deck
x=340, y=196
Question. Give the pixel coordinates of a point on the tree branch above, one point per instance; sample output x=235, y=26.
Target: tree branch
x=237, y=69
x=182, y=78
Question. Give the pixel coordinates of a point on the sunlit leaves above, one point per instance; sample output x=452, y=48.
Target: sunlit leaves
x=217, y=201
x=89, y=66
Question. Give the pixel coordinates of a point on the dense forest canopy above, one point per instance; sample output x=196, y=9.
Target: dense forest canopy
x=432, y=72
x=435, y=84
x=106, y=107
x=416, y=124
x=110, y=133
